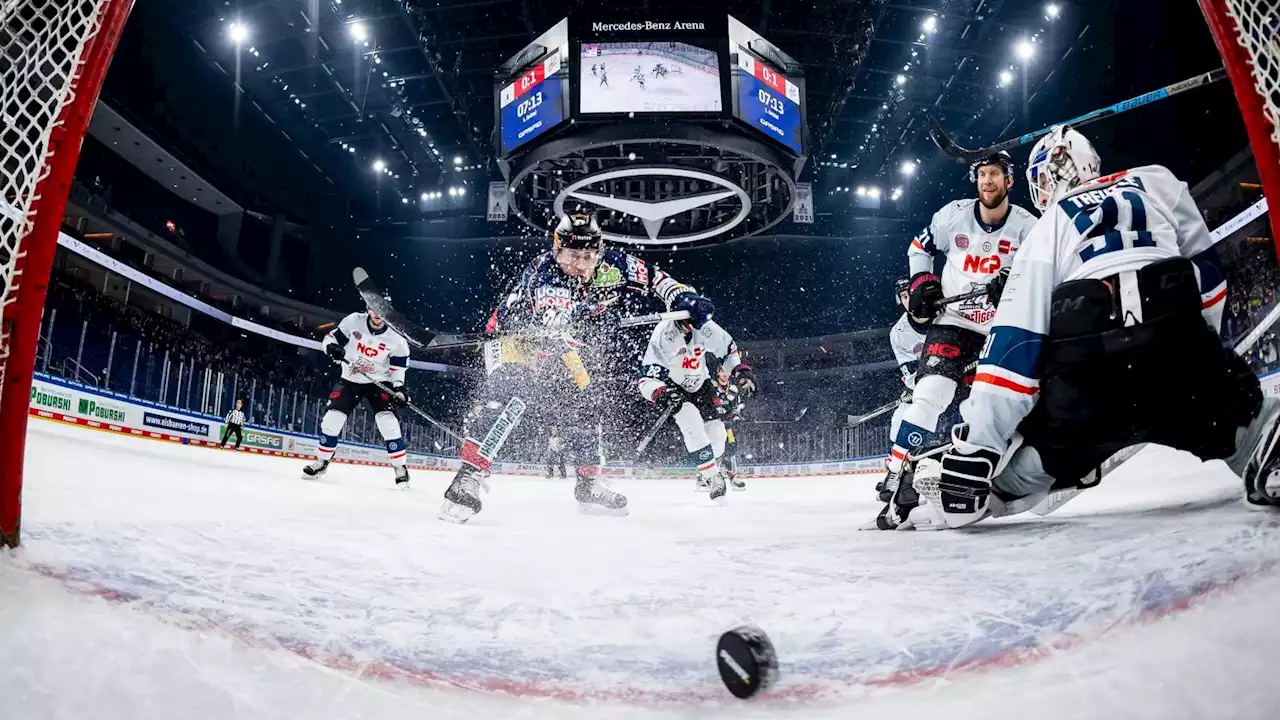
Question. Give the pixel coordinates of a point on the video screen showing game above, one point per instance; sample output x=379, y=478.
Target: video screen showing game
x=649, y=77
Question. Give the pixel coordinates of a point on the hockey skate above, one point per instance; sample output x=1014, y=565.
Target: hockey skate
x=701, y=485
x=717, y=485
x=593, y=494
x=462, y=498
x=402, y=478
x=735, y=483
x=1257, y=459
x=315, y=469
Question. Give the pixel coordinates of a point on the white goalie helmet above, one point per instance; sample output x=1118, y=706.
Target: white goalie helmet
x=1060, y=162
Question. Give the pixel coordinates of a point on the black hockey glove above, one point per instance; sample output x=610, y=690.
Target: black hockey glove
x=995, y=288
x=745, y=378
x=335, y=352
x=924, y=295
x=700, y=309
x=668, y=397
x=399, y=395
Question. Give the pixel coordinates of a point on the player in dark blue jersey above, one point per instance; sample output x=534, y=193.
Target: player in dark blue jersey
x=558, y=350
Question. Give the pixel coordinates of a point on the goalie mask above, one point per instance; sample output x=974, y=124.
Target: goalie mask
x=1060, y=162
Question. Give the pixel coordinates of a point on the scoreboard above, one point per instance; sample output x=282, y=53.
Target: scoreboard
x=533, y=104
x=768, y=101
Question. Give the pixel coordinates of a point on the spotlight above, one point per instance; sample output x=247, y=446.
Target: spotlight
x=379, y=166
x=1052, y=10
x=457, y=159
x=238, y=32
x=358, y=31
x=897, y=193
x=930, y=24
x=462, y=190
x=874, y=192
x=860, y=191
x=453, y=192
x=1006, y=77
x=908, y=168
x=404, y=201
x=901, y=80
x=1025, y=49
x=424, y=197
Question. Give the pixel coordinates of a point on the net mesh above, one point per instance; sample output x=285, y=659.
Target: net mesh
x=42, y=48
x=1258, y=32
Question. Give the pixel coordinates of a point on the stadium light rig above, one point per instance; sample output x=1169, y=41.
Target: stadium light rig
x=1052, y=11
x=897, y=194
x=238, y=32
x=930, y=25
x=379, y=166
x=1025, y=50
x=908, y=168
x=1006, y=77
x=358, y=31
x=901, y=80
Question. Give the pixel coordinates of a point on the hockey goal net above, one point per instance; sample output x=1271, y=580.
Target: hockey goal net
x=53, y=57
x=1247, y=33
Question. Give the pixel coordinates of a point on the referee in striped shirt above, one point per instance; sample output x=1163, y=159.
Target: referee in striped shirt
x=235, y=424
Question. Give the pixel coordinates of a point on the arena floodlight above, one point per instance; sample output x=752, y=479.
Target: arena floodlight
x=861, y=191
x=930, y=25
x=238, y=32
x=457, y=159
x=874, y=192
x=1052, y=10
x=908, y=168
x=359, y=32
x=1006, y=77
x=901, y=80
x=378, y=165
x=1025, y=50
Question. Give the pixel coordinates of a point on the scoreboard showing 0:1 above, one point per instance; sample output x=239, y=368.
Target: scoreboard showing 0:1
x=768, y=101
x=531, y=105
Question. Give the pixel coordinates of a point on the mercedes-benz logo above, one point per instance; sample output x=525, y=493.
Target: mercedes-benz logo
x=652, y=213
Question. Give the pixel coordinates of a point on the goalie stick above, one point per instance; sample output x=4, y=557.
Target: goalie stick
x=375, y=298
x=964, y=155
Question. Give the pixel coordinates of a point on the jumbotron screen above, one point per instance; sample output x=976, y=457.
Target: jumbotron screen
x=649, y=77
x=533, y=104
x=768, y=101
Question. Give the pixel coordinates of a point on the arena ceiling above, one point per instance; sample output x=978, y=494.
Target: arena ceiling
x=410, y=82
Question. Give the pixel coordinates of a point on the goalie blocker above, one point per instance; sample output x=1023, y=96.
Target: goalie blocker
x=1107, y=384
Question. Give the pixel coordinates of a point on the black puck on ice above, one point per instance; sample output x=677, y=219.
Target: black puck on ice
x=748, y=665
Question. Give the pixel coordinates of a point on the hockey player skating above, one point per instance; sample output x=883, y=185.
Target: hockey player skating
x=1114, y=295
x=977, y=239
x=729, y=408
x=604, y=77
x=561, y=352
x=906, y=339
x=659, y=70
x=676, y=373
x=593, y=70
x=638, y=76
x=367, y=349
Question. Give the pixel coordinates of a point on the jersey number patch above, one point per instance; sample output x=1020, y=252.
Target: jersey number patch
x=1108, y=233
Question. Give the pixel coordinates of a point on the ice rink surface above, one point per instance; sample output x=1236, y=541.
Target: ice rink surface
x=162, y=581
x=685, y=89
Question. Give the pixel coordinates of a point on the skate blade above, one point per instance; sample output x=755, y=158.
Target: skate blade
x=404, y=486
x=592, y=509
x=739, y=488
x=455, y=513
x=722, y=501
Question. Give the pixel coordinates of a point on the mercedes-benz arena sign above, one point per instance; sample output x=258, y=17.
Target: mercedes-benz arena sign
x=653, y=214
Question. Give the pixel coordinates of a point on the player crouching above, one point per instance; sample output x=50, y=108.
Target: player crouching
x=368, y=349
x=674, y=375
x=1115, y=294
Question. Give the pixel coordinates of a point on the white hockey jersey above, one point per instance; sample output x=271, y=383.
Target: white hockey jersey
x=906, y=337
x=974, y=252
x=1114, y=224
x=685, y=362
x=382, y=354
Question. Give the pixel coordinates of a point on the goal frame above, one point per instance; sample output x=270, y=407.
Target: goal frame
x=1247, y=88
x=33, y=258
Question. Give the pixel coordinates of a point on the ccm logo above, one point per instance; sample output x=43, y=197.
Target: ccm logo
x=973, y=263
x=946, y=351
x=369, y=351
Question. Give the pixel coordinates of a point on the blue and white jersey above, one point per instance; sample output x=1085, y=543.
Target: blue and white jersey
x=381, y=354
x=906, y=337
x=974, y=253
x=687, y=361
x=1116, y=223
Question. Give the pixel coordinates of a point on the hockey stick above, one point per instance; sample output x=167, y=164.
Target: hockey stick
x=964, y=155
x=875, y=413
x=420, y=412
x=451, y=341
x=662, y=420
x=381, y=304
x=653, y=318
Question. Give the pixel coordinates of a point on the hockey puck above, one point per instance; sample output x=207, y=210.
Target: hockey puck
x=748, y=665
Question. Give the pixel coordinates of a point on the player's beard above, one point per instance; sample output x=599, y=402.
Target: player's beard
x=1001, y=194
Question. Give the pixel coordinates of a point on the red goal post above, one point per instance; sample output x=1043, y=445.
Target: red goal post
x=53, y=57
x=1247, y=33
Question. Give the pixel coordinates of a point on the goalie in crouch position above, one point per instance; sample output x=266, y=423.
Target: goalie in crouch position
x=368, y=349
x=676, y=373
x=1115, y=293
x=561, y=353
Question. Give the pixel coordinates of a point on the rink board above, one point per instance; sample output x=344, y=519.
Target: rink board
x=68, y=402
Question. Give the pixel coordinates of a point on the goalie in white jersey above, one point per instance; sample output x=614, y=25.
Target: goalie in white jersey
x=977, y=240
x=1106, y=337
x=676, y=373
x=368, y=349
